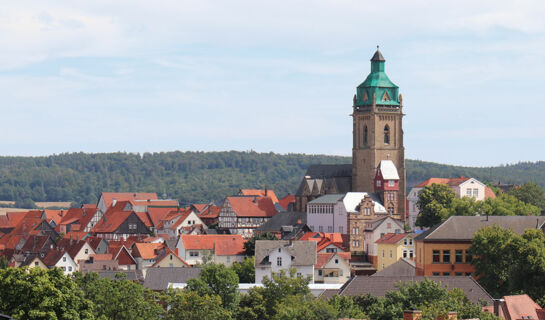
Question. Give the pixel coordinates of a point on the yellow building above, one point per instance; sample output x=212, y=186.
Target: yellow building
x=169, y=259
x=394, y=246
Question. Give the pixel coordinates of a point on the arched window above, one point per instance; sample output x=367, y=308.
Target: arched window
x=386, y=134
x=365, y=135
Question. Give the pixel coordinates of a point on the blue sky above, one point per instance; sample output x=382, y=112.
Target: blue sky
x=137, y=76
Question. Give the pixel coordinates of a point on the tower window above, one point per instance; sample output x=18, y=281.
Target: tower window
x=365, y=135
x=386, y=134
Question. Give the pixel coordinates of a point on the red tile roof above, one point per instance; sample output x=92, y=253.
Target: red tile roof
x=285, y=202
x=34, y=244
x=126, y=196
x=323, y=258
x=94, y=242
x=392, y=238
x=76, y=235
x=200, y=207
x=252, y=206
x=224, y=245
x=157, y=214
x=488, y=193
x=55, y=215
x=211, y=212
x=260, y=193
x=70, y=246
x=156, y=203
x=52, y=257
x=448, y=181
x=325, y=239
x=101, y=257
x=521, y=305
x=147, y=251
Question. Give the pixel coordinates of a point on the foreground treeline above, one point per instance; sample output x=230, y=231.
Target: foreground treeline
x=48, y=294
x=193, y=177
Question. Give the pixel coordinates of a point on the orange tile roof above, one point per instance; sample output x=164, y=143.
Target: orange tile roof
x=211, y=212
x=101, y=257
x=157, y=214
x=146, y=250
x=324, y=239
x=144, y=216
x=76, y=235
x=448, y=181
x=126, y=196
x=323, y=258
x=157, y=203
x=488, y=193
x=252, y=207
x=259, y=193
x=521, y=305
x=392, y=238
x=15, y=217
x=89, y=206
x=223, y=244
x=200, y=206
x=285, y=202
x=55, y=215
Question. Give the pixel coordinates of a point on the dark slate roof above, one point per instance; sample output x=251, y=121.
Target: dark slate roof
x=329, y=170
x=329, y=293
x=171, y=243
x=403, y=267
x=129, y=275
x=378, y=56
x=285, y=223
x=303, y=252
x=158, y=278
x=378, y=286
x=328, y=199
x=462, y=228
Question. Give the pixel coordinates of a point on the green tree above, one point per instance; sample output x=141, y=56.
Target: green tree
x=245, y=270
x=434, y=202
x=304, y=308
x=120, y=298
x=217, y=279
x=42, y=294
x=346, y=307
x=281, y=286
x=190, y=305
x=507, y=205
x=249, y=246
x=530, y=193
x=4, y=263
x=252, y=305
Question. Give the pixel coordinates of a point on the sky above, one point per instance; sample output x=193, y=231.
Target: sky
x=141, y=76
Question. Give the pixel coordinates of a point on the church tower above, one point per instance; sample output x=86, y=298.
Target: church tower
x=378, y=131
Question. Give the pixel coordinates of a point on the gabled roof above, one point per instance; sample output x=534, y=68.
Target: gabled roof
x=327, y=199
x=111, y=221
x=94, y=242
x=157, y=214
x=275, y=224
x=463, y=228
x=377, y=222
x=324, y=240
x=147, y=251
x=452, y=182
x=35, y=243
x=52, y=257
x=352, y=201
x=109, y=197
x=224, y=244
x=70, y=246
x=388, y=170
x=211, y=212
x=324, y=258
x=260, y=193
x=403, y=267
x=303, y=252
x=378, y=286
x=521, y=307
x=199, y=207
x=252, y=206
x=158, y=278
x=392, y=238
x=165, y=253
x=286, y=201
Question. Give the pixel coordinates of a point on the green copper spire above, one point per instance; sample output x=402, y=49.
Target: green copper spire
x=377, y=82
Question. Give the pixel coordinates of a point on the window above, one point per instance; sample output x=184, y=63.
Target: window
x=379, y=183
x=468, y=192
x=69, y=268
x=383, y=253
x=446, y=256
x=459, y=257
x=469, y=257
x=436, y=256
x=390, y=210
x=475, y=193
x=404, y=253
x=36, y=263
x=86, y=251
x=279, y=261
x=355, y=230
x=228, y=259
x=365, y=135
x=386, y=134
x=330, y=250
x=391, y=183
x=341, y=229
x=321, y=228
x=410, y=241
x=320, y=272
x=329, y=229
x=193, y=253
x=446, y=273
x=468, y=274
x=355, y=243
x=411, y=254
x=436, y=274
x=390, y=253
x=458, y=274
x=171, y=257
x=367, y=211
x=63, y=268
x=336, y=261
x=171, y=265
x=341, y=272
x=63, y=259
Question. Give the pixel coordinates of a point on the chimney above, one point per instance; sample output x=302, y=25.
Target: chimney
x=412, y=315
x=497, y=306
x=114, y=202
x=265, y=191
x=299, y=221
x=451, y=316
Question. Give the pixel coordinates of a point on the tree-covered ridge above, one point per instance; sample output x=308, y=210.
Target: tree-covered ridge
x=198, y=176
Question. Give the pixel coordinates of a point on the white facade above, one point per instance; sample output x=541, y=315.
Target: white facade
x=67, y=264
x=280, y=259
x=336, y=270
x=469, y=188
x=190, y=220
x=84, y=253
x=327, y=214
x=388, y=225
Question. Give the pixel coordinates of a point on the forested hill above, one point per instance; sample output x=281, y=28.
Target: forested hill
x=198, y=176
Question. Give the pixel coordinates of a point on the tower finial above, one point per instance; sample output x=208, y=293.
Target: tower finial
x=377, y=46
